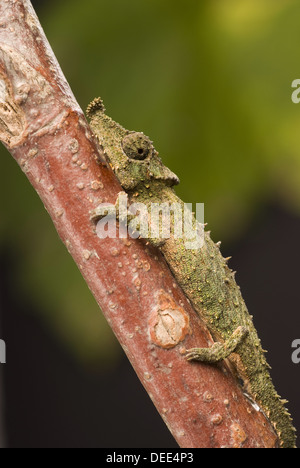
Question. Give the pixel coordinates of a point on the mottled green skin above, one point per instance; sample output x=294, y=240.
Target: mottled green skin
x=203, y=274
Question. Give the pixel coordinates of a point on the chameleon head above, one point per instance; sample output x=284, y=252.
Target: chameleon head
x=131, y=155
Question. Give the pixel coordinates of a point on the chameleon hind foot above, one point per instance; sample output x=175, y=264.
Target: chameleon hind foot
x=218, y=351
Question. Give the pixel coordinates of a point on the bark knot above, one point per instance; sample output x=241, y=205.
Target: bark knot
x=168, y=323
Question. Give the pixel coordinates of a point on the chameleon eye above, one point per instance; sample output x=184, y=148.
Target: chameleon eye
x=136, y=146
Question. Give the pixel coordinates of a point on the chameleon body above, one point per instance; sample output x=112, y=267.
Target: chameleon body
x=203, y=274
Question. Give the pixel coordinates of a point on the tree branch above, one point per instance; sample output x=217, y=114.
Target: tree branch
x=46, y=132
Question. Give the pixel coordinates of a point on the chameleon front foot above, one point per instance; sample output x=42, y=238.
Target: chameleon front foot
x=218, y=351
x=136, y=222
x=104, y=210
x=100, y=212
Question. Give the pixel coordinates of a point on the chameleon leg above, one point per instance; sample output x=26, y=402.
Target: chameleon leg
x=100, y=212
x=104, y=210
x=218, y=351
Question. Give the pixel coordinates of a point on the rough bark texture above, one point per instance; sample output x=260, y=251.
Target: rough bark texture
x=44, y=129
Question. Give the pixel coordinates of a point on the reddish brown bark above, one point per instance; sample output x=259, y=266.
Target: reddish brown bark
x=44, y=129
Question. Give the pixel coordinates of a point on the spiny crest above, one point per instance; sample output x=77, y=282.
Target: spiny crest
x=95, y=106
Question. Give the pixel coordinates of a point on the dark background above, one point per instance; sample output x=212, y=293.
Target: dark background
x=211, y=84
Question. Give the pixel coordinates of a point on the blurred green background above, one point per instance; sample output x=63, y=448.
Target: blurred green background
x=210, y=82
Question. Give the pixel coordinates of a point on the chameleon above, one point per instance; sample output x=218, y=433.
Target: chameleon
x=203, y=273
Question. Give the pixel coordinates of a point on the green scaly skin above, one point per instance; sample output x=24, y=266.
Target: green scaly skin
x=203, y=274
